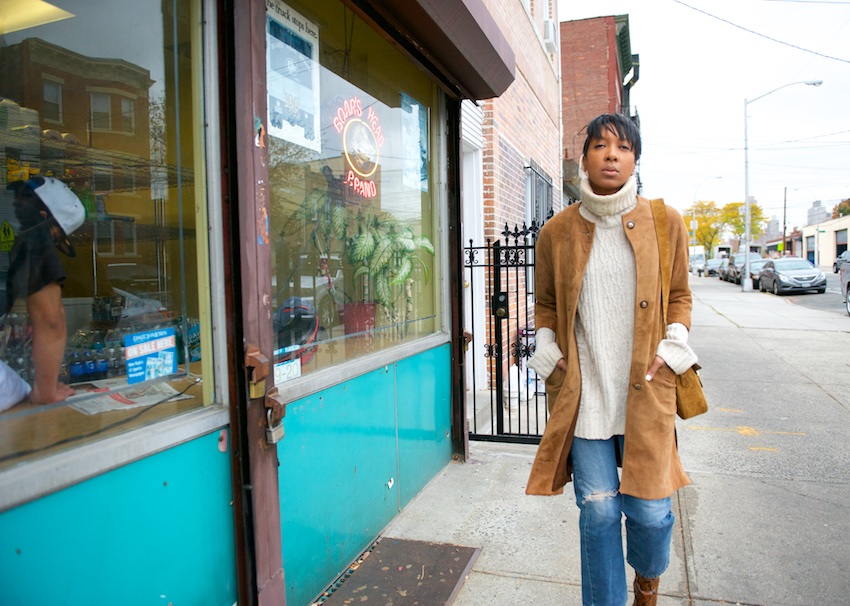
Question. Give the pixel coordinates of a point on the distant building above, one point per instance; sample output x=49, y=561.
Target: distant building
x=817, y=214
x=773, y=229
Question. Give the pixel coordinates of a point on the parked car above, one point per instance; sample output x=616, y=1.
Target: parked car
x=755, y=268
x=791, y=274
x=697, y=264
x=845, y=286
x=711, y=266
x=723, y=268
x=736, y=265
x=840, y=260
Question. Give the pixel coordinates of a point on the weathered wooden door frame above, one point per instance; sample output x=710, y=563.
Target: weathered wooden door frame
x=256, y=461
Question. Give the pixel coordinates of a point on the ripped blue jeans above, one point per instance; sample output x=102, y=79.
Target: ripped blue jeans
x=649, y=525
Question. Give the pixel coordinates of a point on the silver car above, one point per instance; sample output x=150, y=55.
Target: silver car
x=845, y=286
x=840, y=261
x=791, y=274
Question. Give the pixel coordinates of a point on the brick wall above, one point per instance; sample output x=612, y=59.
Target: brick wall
x=590, y=77
x=520, y=126
x=523, y=124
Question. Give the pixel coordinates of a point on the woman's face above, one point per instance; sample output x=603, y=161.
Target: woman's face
x=609, y=163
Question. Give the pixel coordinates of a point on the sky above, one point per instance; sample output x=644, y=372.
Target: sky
x=700, y=60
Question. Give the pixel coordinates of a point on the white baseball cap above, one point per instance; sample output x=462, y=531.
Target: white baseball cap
x=62, y=203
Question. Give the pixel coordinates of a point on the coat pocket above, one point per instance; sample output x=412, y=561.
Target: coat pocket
x=554, y=384
x=663, y=386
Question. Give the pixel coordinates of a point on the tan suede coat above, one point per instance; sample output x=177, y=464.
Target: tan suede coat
x=651, y=467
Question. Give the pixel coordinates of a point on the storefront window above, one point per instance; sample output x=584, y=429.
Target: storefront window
x=353, y=194
x=102, y=268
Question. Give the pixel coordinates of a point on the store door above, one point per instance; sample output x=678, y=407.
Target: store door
x=252, y=354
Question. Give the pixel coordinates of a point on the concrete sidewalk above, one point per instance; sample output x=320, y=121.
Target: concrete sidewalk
x=765, y=521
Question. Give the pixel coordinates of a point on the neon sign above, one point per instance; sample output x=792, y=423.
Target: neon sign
x=364, y=187
x=362, y=138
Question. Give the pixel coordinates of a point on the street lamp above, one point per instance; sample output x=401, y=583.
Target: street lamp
x=746, y=280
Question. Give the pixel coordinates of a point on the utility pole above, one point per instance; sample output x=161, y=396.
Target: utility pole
x=784, y=216
x=694, y=237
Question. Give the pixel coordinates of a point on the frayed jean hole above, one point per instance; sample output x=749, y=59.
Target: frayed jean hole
x=600, y=496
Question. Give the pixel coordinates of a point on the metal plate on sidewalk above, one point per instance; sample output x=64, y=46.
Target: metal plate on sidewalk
x=401, y=571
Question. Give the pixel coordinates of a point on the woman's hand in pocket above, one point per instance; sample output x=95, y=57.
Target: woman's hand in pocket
x=656, y=364
x=556, y=379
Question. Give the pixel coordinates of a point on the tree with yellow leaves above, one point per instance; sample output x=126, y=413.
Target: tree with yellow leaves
x=842, y=209
x=733, y=219
x=713, y=222
x=709, y=224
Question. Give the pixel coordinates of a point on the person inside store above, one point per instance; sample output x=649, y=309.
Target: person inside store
x=609, y=363
x=48, y=212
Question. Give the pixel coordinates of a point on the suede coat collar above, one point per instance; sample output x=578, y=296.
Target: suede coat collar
x=650, y=459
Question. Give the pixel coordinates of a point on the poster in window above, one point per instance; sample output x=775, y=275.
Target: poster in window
x=293, y=76
x=150, y=354
x=414, y=136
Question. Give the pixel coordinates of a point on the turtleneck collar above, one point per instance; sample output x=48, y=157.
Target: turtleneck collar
x=613, y=204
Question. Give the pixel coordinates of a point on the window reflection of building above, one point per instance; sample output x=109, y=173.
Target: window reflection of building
x=44, y=77
x=91, y=104
x=92, y=123
x=52, y=101
x=117, y=124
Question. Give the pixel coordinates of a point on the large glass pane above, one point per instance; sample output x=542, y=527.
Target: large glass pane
x=99, y=107
x=353, y=194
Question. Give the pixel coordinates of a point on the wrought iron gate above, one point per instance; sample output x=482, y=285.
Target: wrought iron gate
x=506, y=402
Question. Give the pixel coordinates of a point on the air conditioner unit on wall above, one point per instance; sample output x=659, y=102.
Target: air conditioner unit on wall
x=550, y=36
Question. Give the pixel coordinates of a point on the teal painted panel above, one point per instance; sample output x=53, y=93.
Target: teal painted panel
x=423, y=387
x=157, y=531
x=336, y=463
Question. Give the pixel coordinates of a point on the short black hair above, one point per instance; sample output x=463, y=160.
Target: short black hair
x=624, y=126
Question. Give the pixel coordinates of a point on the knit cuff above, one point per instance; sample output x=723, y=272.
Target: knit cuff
x=675, y=351
x=545, y=359
x=544, y=336
x=677, y=331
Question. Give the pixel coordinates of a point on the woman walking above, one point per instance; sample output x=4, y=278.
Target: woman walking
x=609, y=364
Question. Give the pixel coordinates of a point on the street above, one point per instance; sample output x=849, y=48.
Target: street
x=832, y=300
x=767, y=512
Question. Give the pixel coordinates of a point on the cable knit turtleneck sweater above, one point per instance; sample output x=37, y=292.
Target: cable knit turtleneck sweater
x=604, y=336
x=603, y=333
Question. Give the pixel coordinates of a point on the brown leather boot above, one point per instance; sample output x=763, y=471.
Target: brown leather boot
x=646, y=591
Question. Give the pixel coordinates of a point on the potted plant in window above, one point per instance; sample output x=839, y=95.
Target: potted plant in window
x=381, y=254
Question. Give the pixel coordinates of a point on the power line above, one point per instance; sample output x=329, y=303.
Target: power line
x=805, y=50
x=808, y=1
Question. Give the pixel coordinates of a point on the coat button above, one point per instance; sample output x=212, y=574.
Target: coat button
x=643, y=304
x=638, y=386
x=630, y=224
